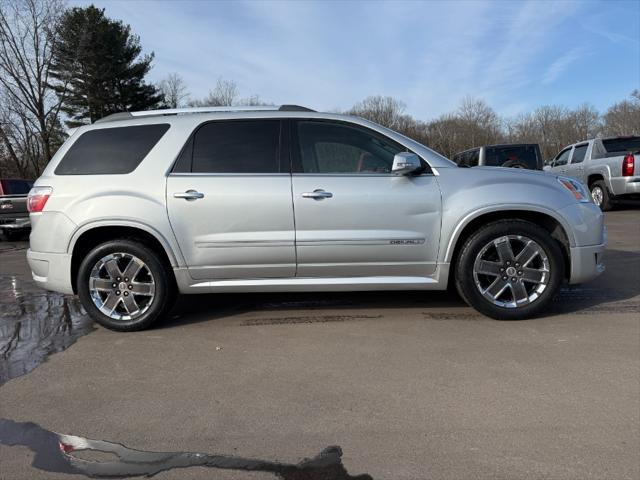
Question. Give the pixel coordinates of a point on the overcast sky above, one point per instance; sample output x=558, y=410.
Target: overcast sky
x=328, y=55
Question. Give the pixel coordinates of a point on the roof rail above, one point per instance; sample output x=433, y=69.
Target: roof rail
x=180, y=111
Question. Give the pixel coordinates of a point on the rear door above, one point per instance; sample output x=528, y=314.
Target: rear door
x=354, y=218
x=229, y=202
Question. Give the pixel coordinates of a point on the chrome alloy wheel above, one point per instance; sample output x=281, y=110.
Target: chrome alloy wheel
x=121, y=286
x=511, y=271
x=598, y=195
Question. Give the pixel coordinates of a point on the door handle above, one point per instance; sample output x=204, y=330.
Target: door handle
x=318, y=194
x=189, y=195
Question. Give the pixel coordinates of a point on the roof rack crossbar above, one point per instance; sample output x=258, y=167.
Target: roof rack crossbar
x=181, y=111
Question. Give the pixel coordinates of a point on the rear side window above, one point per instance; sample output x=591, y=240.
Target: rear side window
x=522, y=156
x=613, y=145
x=250, y=146
x=15, y=187
x=110, y=151
x=578, y=153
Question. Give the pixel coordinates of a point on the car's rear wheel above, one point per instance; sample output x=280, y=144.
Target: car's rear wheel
x=124, y=286
x=601, y=196
x=509, y=269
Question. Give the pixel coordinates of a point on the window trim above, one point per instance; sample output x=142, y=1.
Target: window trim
x=296, y=164
x=280, y=154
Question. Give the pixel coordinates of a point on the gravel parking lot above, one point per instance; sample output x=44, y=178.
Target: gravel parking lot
x=409, y=385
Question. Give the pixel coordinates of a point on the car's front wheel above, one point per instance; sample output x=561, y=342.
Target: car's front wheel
x=124, y=286
x=509, y=269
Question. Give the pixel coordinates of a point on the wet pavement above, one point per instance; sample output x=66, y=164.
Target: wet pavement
x=409, y=384
x=35, y=324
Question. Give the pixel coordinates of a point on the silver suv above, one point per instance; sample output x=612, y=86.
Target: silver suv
x=139, y=207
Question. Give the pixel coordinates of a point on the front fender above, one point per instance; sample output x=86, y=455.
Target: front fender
x=460, y=226
x=467, y=194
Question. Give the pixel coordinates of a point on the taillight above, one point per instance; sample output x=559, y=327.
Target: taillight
x=37, y=198
x=628, y=166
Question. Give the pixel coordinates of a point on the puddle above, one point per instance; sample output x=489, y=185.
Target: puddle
x=54, y=452
x=34, y=324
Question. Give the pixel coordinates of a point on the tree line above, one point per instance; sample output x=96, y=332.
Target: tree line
x=64, y=67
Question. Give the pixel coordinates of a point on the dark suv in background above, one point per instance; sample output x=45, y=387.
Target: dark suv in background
x=520, y=155
x=14, y=217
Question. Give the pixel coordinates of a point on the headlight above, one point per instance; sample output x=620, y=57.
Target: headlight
x=577, y=189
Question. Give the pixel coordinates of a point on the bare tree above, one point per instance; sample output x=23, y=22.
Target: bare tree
x=224, y=94
x=386, y=111
x=623, y=118
x=481, y=124
x=30, y=110
x=173, y=90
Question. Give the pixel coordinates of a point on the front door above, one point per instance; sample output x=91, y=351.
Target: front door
x=229, y=202
x=354, y=217
x=559, y=164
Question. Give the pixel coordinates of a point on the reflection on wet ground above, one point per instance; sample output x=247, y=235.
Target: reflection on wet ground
x=55, y=453
x=34, y=324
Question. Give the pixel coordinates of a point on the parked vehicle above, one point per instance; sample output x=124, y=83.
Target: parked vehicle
x=14, y=217
x=606, y=165
x=517, y=155
x=140, y=206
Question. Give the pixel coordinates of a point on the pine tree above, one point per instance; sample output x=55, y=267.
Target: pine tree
x=98, y=67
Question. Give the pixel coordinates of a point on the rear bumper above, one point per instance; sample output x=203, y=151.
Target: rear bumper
x=586, y=263
x=51, y=271
x=18, y=224
x=625, y=186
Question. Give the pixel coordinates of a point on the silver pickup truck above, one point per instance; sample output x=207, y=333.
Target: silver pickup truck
x=605, y=165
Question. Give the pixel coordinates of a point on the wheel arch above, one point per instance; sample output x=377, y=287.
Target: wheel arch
x=594, y=177
x=553, y=223
x=93, y=234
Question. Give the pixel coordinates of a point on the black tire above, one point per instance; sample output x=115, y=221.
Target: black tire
x=473, y=246
x=165, y=291
x=607, y=199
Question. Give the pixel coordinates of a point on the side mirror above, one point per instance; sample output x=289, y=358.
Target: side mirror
x=405, y=163
x=547, y=168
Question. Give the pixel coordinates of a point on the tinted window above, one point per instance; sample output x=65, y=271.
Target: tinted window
x=326, y=147
x=474, y=158
x=110, y=150
x=524, y=156
x=236, y=147
x=562, y=158
x=631, y=144
x=16, y=187
x=578, y=154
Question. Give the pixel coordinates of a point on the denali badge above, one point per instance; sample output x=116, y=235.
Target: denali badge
x=407, y=242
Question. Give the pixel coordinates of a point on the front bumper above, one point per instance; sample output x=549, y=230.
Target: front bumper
x=51, y=271
x=587, y=262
